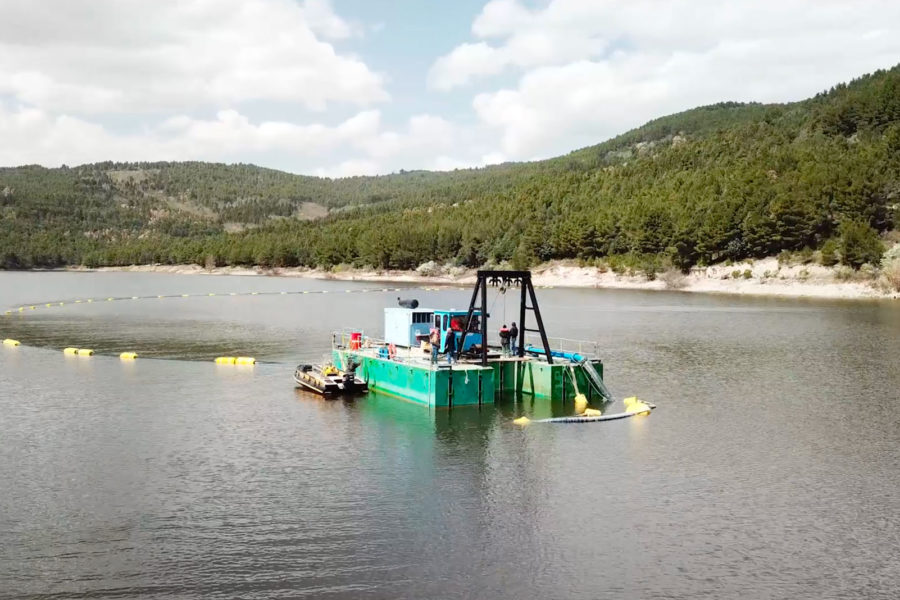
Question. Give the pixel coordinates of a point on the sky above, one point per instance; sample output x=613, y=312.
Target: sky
x=358, y=87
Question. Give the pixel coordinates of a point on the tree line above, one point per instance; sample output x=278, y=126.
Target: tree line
x=724, y=182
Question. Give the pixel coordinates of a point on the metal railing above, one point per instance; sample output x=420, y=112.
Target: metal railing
x=586, y=348
x=340, y=340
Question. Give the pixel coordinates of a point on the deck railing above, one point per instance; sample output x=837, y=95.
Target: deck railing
x=586, y=348
x=340, y=340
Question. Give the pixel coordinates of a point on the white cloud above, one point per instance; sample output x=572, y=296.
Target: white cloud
x=131, y=55
x=465, y=62
x=590, y=69
x=91, y=80
x=349, y=168
x=32, y=135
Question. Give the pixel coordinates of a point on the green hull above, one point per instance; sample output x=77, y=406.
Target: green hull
x=468, y=384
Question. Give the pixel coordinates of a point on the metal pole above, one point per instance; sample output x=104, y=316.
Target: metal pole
x=520, y=350
x=462, y=338
x=540, y=322
x=482, y=279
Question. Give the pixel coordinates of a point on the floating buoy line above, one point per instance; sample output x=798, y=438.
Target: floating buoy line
x=221, y=360
x=633, y=406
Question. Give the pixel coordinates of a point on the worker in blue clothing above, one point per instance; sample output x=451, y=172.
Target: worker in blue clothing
x=450, y=346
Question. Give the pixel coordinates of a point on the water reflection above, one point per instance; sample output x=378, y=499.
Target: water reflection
x=768, y=470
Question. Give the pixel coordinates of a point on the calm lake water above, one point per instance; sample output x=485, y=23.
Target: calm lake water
x=771, y=468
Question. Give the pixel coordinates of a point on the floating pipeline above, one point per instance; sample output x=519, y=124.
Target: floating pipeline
x=78, y=351
x=55, y=303
x=633, y=408
x=220, y=360
x=235, y=360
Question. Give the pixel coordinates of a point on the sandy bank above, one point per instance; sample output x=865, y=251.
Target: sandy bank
x=757, y=278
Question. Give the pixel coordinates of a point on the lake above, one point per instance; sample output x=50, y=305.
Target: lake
x=769, y=469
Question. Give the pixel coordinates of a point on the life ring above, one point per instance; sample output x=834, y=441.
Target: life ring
x=392, y=351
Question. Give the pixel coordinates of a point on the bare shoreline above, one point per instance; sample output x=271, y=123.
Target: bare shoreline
x=758, y=278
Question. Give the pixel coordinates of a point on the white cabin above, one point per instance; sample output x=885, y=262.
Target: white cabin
x=405, y=326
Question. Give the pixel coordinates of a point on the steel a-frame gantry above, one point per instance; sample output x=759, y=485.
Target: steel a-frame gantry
x=506, y=280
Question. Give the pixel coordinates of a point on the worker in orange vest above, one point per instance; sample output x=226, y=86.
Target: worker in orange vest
x=435, y=339
x=504, y=340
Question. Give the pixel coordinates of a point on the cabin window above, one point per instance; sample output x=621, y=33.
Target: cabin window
x=421, y=317
x=446, y=321
x=437, y=321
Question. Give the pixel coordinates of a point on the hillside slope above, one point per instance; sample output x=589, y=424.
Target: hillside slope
x=727, y=181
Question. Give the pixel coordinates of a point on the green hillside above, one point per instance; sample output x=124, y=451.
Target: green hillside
x=727, y=181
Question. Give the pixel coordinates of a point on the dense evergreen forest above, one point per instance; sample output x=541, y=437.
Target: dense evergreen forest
x=727, y=181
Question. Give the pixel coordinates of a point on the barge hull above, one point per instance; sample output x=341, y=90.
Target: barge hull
x=468, y=384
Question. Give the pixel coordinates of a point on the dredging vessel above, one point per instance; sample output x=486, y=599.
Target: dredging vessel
x=400, y=363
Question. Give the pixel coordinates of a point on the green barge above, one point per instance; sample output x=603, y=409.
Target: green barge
x=415, y=378
x=400, y=364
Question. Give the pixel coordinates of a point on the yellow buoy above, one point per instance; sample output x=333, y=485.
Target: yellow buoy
x=225, y=360
x=592, y=412
x=128, y=355
x=10, y=342
x=70, y=351
x=522, y=421
x=633, y=405
x=580, y=403
x=245, y=360
x=85, y=352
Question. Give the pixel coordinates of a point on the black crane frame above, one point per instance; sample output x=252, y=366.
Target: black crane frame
x=506, y=279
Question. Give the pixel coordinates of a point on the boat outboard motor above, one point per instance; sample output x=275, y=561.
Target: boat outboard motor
x=408, y=303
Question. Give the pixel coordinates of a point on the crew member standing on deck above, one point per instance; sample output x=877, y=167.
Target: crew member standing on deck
x=450, y=346
x=435, y=340
x=504, y=340
x=513, y=338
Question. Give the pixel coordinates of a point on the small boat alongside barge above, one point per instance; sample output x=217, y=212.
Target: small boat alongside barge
x=329, y=380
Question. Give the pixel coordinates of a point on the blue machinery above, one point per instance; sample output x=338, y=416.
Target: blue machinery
x=584, y=362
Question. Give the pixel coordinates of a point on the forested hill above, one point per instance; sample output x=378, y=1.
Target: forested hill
x=727, y=181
